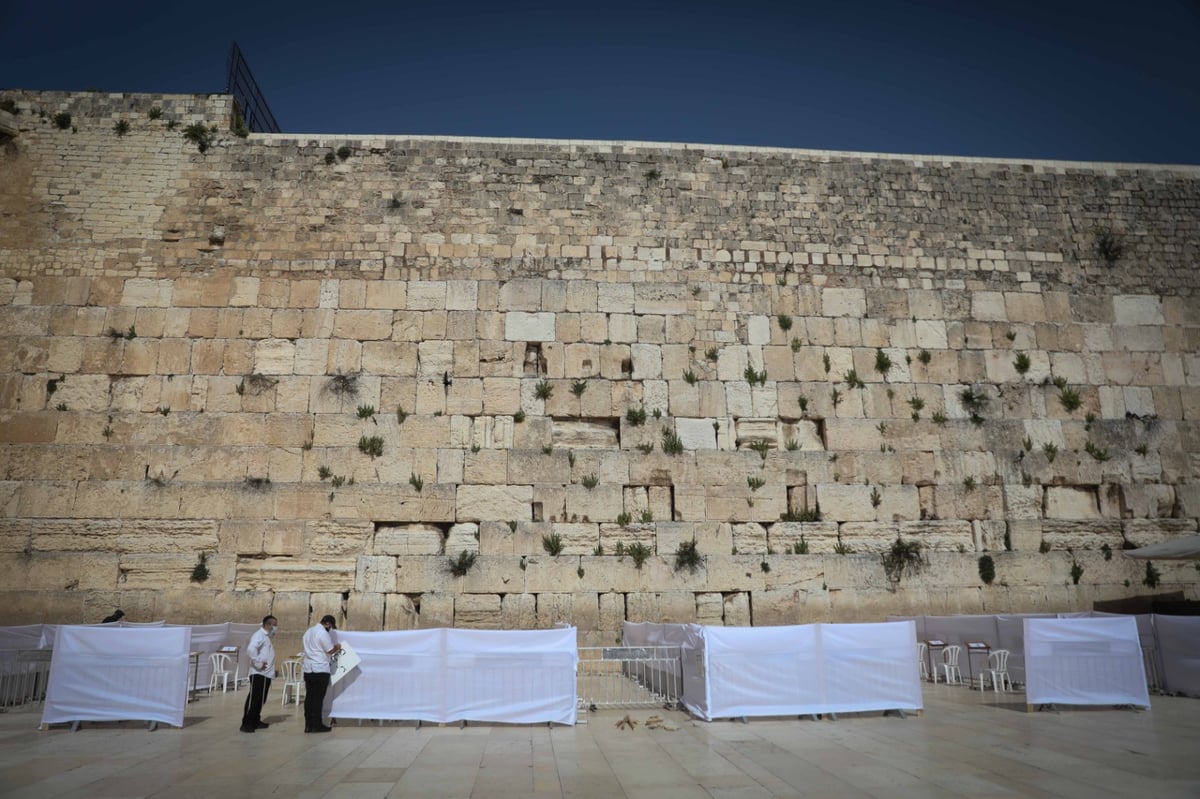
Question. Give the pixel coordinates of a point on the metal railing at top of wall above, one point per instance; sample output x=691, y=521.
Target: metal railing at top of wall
x=251, y=103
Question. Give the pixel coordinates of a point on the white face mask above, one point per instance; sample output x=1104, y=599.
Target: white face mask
x=271, y=632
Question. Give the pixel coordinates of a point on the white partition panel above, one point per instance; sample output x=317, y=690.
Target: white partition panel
x=525, y=676
x=515, y=676
x=1084, y=661
x=114, y=674
x=798, y=670
x=1179, y=646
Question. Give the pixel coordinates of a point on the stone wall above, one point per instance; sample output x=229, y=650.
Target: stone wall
x=332, y=364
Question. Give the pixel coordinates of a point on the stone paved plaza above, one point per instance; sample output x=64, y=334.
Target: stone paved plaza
x=964, y=745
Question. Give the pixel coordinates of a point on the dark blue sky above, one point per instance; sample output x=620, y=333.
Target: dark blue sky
x=1100, y=80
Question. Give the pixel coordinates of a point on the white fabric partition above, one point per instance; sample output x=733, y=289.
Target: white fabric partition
x=1179, y=648
x=114, y=674
x=798, y=670
x=1084, y=661
x=444, y=675
x=206, y=639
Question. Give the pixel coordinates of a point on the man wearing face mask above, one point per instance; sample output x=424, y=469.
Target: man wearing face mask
x=318, y=649
x=262, y=668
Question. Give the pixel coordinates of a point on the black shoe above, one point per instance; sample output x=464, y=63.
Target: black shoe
x=320, y=729
x=262, y=725
x=246, y=729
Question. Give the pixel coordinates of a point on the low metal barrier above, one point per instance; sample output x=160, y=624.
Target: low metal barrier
x=23, y=677
x=629, y=676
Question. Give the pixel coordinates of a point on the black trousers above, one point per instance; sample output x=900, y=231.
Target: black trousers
x=315, y=686
x=259, y=686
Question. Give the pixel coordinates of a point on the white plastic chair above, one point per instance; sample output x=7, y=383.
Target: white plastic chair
x=923, y=659
x=222, y=670
x=950, y=664
x=292, y=678
x=998, y=668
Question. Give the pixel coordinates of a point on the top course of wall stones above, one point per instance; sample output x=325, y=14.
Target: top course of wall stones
x=87, y=201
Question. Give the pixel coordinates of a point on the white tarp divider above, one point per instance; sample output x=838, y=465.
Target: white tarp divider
x=115, y=674
x=444, y=675
x=1084, y=661
x=731, y=672
x=206, y=639
x=1179, y=650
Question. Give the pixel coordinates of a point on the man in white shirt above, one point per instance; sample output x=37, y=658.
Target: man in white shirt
x=318, y=648
x=261, y=652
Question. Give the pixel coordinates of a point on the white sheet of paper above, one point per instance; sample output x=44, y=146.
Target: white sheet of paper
x=347, y=660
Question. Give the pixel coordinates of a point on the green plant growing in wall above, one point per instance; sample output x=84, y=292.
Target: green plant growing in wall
x=755, y=483
x=1099, y=453
x=802, y=401
x=366, y=411
x=635, y=416
x=519, y=417
x=1076, y=572
x=1021, y=363
x=543, y=390
x=761, y=446
x=826, y=362
x=938, y=418
x=1070, y=400
x=901, y=558
x=711, y=354
x=343, y=385
x=571, y=459
x=791, y=445
x=835, y=397
x=578, y=387
x=639, y=552
x=1106, y=550
x=752, y=376
x=338, y=481
x=647, y=516
x=689, y=377
x=852, y=379
x=1152, y=577
x=1141, y=449
x=62, y=120
x=623, y=519
x=687, y=556
x=590, y=481
x=969, y=483
x=401, y=414
x=330, y=158
x=200, y=570
x=344, y=152
x=671, y=443
x=324, y=472
x=972, y=399
x=552, y=543
x=796, y=345
x=800, y=547
x=371, y=445
x=1027, y=443
x=651, y=175
x=1044, y=547
x=841, y=547
x=200, y=135
x=416, y=482
x=154, y=113
x=987, y=569
x=883, y=363
x=646, y=447
x=785, y=322
x=802, y=515
x=876, y=497
x=1050, y=451
x=460, y=565
x=1108, y=246
x=257, y=483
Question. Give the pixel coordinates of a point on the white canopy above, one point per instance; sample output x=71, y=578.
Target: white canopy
x=1186, y=548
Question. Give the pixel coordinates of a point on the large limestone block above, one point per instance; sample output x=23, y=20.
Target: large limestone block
x=492, y=574
x=400, y=613
x=333, y=539
x=522, y=326
x=554, y=609
x=843, y=302
x=274, y=357
x=749, y=539
x=602, y=503
x=375, y=574
x=123, y=535
x=1146, y=532
x=490, y=503
x=817, y=537
x=1138, y=309
x=1081, y=535
x=365, y=612
x=478, y=612
x=436, y=610
x=696, y=434
x=518, y=611
x=572, y=434
x=577, y=539
x=660, y=298
x=710, y=609
x=845, y=503
x=1071, y=502
x=945, y=535
x=463, y=537
x=293, y=574
x=614, y=537
x=416, y=574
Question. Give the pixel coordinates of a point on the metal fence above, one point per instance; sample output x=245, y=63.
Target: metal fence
x=23, y=677
x=251, y=104
x=629, y=676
